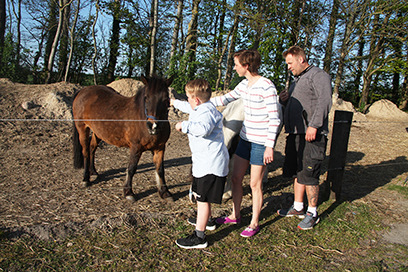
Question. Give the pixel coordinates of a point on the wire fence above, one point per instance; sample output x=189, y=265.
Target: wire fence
x=169, y=120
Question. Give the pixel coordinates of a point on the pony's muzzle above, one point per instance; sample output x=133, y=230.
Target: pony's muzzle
x=152, y=127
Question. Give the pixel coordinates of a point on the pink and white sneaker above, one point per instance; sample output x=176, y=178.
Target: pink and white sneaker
x=226, y=220
x=248, y=232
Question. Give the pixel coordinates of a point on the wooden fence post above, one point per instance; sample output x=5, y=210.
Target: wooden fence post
x=338, y=153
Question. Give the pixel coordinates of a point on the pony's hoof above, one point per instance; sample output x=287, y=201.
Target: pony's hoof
x=167, y=196
x=131, y=198
x=169, y=199
x=85, y=184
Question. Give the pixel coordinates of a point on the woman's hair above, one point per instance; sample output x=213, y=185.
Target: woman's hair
x=249, y=57
x=199, y=88
x=295, y=51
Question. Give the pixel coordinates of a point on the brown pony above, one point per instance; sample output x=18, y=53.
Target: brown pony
x=139, y=123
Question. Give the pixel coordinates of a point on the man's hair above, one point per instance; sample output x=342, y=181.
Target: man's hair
x=295, y=51
x=249, y=57
x=199, y=88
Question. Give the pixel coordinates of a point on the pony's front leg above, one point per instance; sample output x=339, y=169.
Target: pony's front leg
x=135, y=154
x=158, y=156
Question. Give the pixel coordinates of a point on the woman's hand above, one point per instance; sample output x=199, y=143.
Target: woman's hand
x=268, y=155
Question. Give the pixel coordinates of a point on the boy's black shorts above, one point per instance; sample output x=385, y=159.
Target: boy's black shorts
x=304, y=159
x=209, y=188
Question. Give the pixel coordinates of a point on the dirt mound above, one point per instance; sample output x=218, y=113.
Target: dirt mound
x=340, y=104
x=49, y=101
x=126, y=86
x=385, y=109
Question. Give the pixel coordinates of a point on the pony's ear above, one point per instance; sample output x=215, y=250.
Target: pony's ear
x=169, y=80
x=144, y=79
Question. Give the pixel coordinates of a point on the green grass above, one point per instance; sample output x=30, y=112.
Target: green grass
x=400, y=189
x=347, y=238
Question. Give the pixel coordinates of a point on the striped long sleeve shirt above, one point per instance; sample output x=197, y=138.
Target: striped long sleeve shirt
x=262, y=120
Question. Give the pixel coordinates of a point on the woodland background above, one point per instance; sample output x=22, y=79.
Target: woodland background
x=362, y=44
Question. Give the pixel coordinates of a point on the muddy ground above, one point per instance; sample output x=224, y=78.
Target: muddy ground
x=40, y=191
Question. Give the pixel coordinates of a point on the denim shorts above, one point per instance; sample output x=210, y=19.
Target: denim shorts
x=252, y=152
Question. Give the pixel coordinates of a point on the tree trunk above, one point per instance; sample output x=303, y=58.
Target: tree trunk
x=176, y=29
x=359, y=70
x=17, y=14
x=94, y=42
x=222, y=53
x=330, y=38
x=260, y=23
x=404, y=100
x=231, y=51
x=153, y=39
x=191, y=41
x=221, y=49
x=52, y=29
x=63, y=48
x=345, y=47
x=2, y=27
x=296, y=25
x=72, y=40
x=376, y=48
x=114, y=42
x=56, y=40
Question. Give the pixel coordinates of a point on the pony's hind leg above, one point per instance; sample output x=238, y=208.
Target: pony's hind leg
x=93, y=146
x=84, y=140
x=164, y=193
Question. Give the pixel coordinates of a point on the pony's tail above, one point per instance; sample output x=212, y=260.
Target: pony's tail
x=77, y=148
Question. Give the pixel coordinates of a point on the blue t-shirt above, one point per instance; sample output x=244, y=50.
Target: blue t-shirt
x=204, y=129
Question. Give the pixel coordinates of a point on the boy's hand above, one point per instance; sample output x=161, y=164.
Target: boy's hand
x=172, y=102
x=178, y=126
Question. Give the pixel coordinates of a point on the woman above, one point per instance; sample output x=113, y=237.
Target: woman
x=257, y=136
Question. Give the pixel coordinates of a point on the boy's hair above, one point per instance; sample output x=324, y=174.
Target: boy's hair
x=199, y=88
x=295, y=51
x=249, y=57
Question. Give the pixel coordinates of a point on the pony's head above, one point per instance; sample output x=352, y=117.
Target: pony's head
x=157, y=102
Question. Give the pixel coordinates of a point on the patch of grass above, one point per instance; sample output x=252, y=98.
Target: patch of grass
x=347, y=238
x=400, y=189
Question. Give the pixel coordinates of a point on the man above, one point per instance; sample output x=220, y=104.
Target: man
x=307, y=105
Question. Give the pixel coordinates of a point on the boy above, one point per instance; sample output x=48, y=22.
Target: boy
x=209, y=156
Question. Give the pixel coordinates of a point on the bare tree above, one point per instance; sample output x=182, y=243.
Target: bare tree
x=231, y=49
x=153, y=37
x=94, y=41
x=191, y=40
x=376, y=49
x=64, y=42
x=17, y=14
x=114, y=41
x=346, y=41
x=72, y=32
x=404, y=100
x=52, y=25
x=176, y=29
x=224, y=49
x=2, y=27
x=61, y=8
x=330, y=37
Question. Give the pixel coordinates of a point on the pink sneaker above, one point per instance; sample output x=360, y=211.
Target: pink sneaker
x=226, y=220
x=248, y=232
